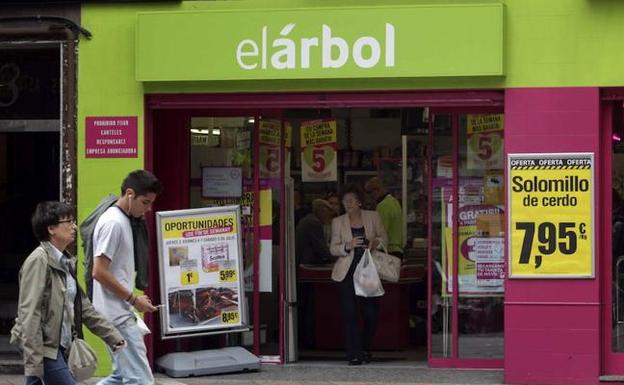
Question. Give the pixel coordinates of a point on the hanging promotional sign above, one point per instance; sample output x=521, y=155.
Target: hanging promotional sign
x=246, y=202
x=318, y=151
x=485, y=141
x=481, y=260
x=270, y=147
x=551, y=218
x=201, y=271
x=266, y=244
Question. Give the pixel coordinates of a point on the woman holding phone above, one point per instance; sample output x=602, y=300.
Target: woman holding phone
x=352, y=232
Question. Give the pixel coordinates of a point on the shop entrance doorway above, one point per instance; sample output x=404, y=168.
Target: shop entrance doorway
x=29, y=159
x=421, y=156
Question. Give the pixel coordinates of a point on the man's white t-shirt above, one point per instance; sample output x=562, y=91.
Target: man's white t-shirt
x=112, y=237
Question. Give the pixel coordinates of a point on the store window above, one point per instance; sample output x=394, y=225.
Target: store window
x=222, y=146
x=617, y=255
x=294, y=161
x=481, y=236
x=467, y=242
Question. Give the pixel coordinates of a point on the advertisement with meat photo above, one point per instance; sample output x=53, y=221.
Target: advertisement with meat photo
x=200, y=270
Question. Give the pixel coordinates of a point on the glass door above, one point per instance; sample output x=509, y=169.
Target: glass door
x=251, y=143
x=612, y=124
x=271, y=159
x=466, y=247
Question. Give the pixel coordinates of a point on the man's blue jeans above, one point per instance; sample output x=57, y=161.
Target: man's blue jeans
x=130, y=365
x=55, y=372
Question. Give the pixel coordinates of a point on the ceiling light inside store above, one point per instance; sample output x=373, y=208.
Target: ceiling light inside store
x=201, y=131
x=251, y=120
x=216, y=131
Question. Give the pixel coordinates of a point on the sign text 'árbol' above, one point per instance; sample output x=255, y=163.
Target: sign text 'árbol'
x=330, y=50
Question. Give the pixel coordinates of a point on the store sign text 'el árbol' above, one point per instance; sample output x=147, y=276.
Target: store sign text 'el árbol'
x=321, y=43
x=551, y=217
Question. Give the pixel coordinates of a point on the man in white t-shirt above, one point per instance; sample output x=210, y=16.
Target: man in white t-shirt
x=113, y=273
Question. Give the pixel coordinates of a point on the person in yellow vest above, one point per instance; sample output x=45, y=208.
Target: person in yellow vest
x=389, y=209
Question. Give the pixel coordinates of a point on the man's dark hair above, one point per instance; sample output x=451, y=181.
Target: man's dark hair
x=142, y=182
x=49, y=214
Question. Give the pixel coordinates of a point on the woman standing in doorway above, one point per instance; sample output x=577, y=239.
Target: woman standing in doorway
x=352, y=232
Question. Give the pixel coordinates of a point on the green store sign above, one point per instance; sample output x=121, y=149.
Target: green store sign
x=323, y=43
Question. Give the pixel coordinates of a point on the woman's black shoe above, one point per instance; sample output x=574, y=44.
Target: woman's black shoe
x=355, y=361
x=367, y=357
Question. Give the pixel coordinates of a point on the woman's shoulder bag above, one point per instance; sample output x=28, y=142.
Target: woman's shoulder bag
x=82, y=360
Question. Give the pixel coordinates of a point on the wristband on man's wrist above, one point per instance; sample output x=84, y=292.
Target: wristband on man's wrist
x=131, y=299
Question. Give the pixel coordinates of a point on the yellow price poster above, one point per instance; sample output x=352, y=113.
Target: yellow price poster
x=485, y=141
x=193, y=227
x=551, y=218
x=188, y=272
x=318, y=151
x=230, y=317
x=227, y=275
x=201, y=269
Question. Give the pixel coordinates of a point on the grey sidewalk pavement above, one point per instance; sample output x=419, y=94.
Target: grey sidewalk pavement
x=329, y=373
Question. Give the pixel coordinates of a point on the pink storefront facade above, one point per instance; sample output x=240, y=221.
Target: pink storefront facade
x=554, y=328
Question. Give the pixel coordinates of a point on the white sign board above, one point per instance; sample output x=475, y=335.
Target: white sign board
x=201, y=270
x=222, y=182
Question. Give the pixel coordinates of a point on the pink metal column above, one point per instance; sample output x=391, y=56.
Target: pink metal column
x=552, y=326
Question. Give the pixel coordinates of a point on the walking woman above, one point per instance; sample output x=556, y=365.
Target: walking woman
x=44, y=326
x=352, y=232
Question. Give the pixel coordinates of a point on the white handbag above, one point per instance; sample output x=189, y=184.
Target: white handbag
x=82, y=360
x=388, y=266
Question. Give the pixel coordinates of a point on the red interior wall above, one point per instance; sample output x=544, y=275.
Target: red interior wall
x=169, y=160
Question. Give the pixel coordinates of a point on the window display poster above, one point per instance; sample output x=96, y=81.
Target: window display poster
x=481, y=261
x=551, y=217
x=222, y=182
x=246, y=201
x=318, y=151
x=270, y=146
x=266, y=251
x=200, y=270
x=485, y=141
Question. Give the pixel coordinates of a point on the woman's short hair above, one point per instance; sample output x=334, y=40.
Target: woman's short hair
x=49, y=214
x=355, y=189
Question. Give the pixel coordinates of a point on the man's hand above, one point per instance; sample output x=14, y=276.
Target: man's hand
x=144, y=304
